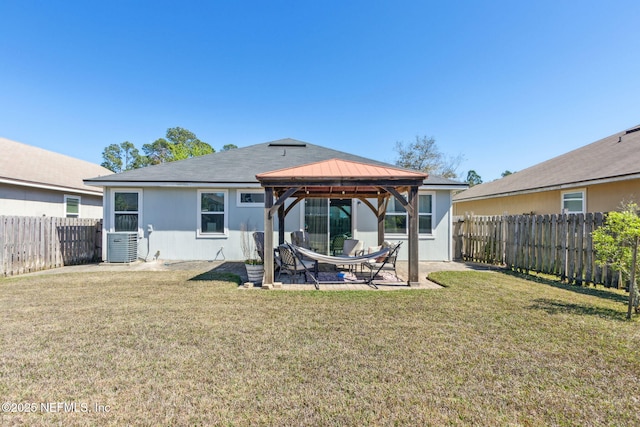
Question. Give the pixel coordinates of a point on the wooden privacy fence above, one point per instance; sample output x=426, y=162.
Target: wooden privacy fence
x=554, y=244
x=38, y=243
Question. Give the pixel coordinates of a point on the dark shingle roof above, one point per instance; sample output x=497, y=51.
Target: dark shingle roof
x=614, y=157
x=240, y=165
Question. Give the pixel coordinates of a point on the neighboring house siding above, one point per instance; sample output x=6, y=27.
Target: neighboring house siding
x=29, y=201
x=541, y=203
x=609, y=197
x=599, y=198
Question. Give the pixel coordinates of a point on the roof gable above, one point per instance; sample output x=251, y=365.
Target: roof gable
x=614, y=157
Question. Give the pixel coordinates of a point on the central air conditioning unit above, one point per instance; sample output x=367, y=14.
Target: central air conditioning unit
x=122, y=247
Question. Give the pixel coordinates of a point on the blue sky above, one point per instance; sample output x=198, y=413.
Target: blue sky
x=506, y=84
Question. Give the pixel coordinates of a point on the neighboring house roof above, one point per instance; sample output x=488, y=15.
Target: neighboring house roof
x=614, y=158
x=29, y=166
x=239, y=166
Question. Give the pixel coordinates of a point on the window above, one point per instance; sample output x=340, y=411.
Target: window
x=212, y=213
x=396, y=221
x=250, y=198
x=72, y=206
x=127, y=207
x=573, y=202
x=425, y=214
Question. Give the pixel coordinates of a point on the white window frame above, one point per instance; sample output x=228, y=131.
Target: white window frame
x=113, y=207
x=583, y=191
x=66, y=211
x=432, y=214
x=241, y=204
x=225, y=213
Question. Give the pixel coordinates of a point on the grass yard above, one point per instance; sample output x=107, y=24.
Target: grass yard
x=157, y=348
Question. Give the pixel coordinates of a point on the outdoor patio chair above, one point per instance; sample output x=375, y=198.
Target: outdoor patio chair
x=258, y=238
x=301, y=238
x=337, y=245
x=352, y=247
x=293, y=264
x=384, y=263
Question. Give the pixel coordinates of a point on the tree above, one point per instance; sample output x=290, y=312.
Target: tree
x=506, y=173
x=423, y=155
x=184, y=144
x=112, y=158
x=131, y=156
x=228, y=147
x=616, y=246
x=179, y=144
x=157, y=152
x=473, y=178
x=122, y=157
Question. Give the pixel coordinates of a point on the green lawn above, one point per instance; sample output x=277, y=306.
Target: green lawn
x=158, y=348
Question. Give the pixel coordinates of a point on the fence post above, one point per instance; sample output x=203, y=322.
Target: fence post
x=3, y=237
x=600, y=275
x=580, y=249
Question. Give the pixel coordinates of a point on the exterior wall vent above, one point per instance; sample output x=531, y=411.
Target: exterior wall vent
x=122, y=247
x=288, y=144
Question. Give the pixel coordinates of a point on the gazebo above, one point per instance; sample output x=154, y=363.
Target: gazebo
x=344, y=179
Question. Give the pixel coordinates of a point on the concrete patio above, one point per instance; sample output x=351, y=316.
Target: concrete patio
x=237, y=267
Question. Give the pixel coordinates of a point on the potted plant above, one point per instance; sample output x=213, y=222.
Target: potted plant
x=252, y=261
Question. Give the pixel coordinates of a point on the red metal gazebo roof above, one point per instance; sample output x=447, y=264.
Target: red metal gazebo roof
x=343, y=170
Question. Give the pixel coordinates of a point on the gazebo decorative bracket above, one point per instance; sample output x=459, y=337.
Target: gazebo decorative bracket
x=405, y=204
x=281, y=200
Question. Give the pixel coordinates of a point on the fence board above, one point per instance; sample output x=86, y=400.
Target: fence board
x=571, y=247
x=547, y=248
x=36, y=243
x=555, y=244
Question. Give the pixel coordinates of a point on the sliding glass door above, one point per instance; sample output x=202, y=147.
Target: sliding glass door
x=316, y=214
x=327, y=222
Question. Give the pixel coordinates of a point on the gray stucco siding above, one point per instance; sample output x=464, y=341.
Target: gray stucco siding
x=173, y=214
x=434, y=247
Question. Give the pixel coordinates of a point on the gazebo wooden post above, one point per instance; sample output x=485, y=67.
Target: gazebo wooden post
x=281, y=216
x=381, y=213
x=267, y=281
x=414, y=263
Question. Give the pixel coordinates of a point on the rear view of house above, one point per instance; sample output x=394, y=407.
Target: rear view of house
x=37, y=182
x=195, y=209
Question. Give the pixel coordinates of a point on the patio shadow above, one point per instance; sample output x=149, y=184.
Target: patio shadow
x=227, y=272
